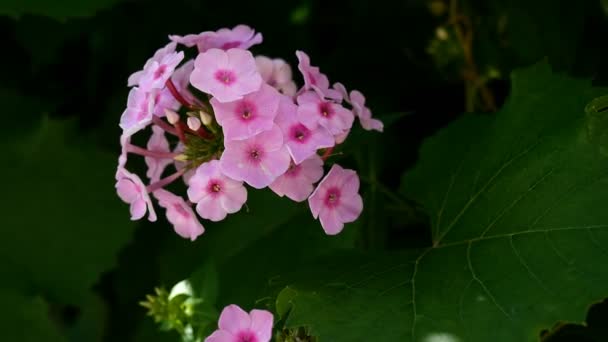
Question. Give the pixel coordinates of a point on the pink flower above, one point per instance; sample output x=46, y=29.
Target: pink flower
x=168, y=49
x=138, y=113
x=297, y=182
x=190, y=40
x=314, y=79
x=158, y=72
x=157, y=143
x=301, y=141
x=365, y=115
x=252, y=114
x=276, y=73
x=258, y=160
x=235, y=325
x=180, y=215
x=132, y=191
x=313, y=111
x=226, y=75
x=241, y=36
x=336, y=200
x=216, y=194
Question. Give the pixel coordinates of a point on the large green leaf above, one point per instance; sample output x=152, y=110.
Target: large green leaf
x=62, y=222
x=517, y=206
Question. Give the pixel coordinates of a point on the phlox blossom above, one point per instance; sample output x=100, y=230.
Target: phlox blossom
x=276, y=73
x=241, y=36
x=236, y=325
x=244, y=118
x=179, y=214
x=336, y=199
x=257, y=161
x=161, y=53
x=138, y=114
x=313, y=111
x=226, y=75
x=215, y=194
x=132, y=190
x=297, y=182
x=314, y=79
x=301, y=141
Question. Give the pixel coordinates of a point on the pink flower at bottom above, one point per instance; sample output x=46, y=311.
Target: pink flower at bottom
x=336, y=200
x=258, y=160
x=132, y=190
x=297, y=182
x=180, y=215
x=215, y=194
x=236, y=325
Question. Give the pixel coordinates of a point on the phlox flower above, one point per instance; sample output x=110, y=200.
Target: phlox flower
x=258, y=160
x=236, y=325
x=157, y=143
x=161, y=53
x=244, y=118
x=363, y=113
x=297, y=182
x=313, y=111
x=179, y=214
x=138, y=114
x=276, y=73
x=336, y=199
x=314, y=79
x=215, y=194
x=132, y=191
x=357, y=100
x=301, y=141
x=226, y=75
x=241, y=36
x=158, y=72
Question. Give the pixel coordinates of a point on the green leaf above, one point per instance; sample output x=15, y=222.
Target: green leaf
x=63, y=224
x=517, y=207
x=60, y=9
x=26, y=319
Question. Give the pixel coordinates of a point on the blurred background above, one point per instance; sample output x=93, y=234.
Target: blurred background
x=74, y=268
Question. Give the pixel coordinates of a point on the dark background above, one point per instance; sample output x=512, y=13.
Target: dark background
x=69, y=61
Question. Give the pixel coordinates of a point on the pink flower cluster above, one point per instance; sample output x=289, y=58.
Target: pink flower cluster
x=248, y=124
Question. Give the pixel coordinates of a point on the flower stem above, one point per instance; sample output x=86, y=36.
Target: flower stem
x=327, y=153
x=171, y=86
x=166, y=181
x=147, y=153
x=164, y=125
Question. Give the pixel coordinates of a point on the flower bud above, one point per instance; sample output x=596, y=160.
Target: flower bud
x=193, y=123
x=172, y=116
